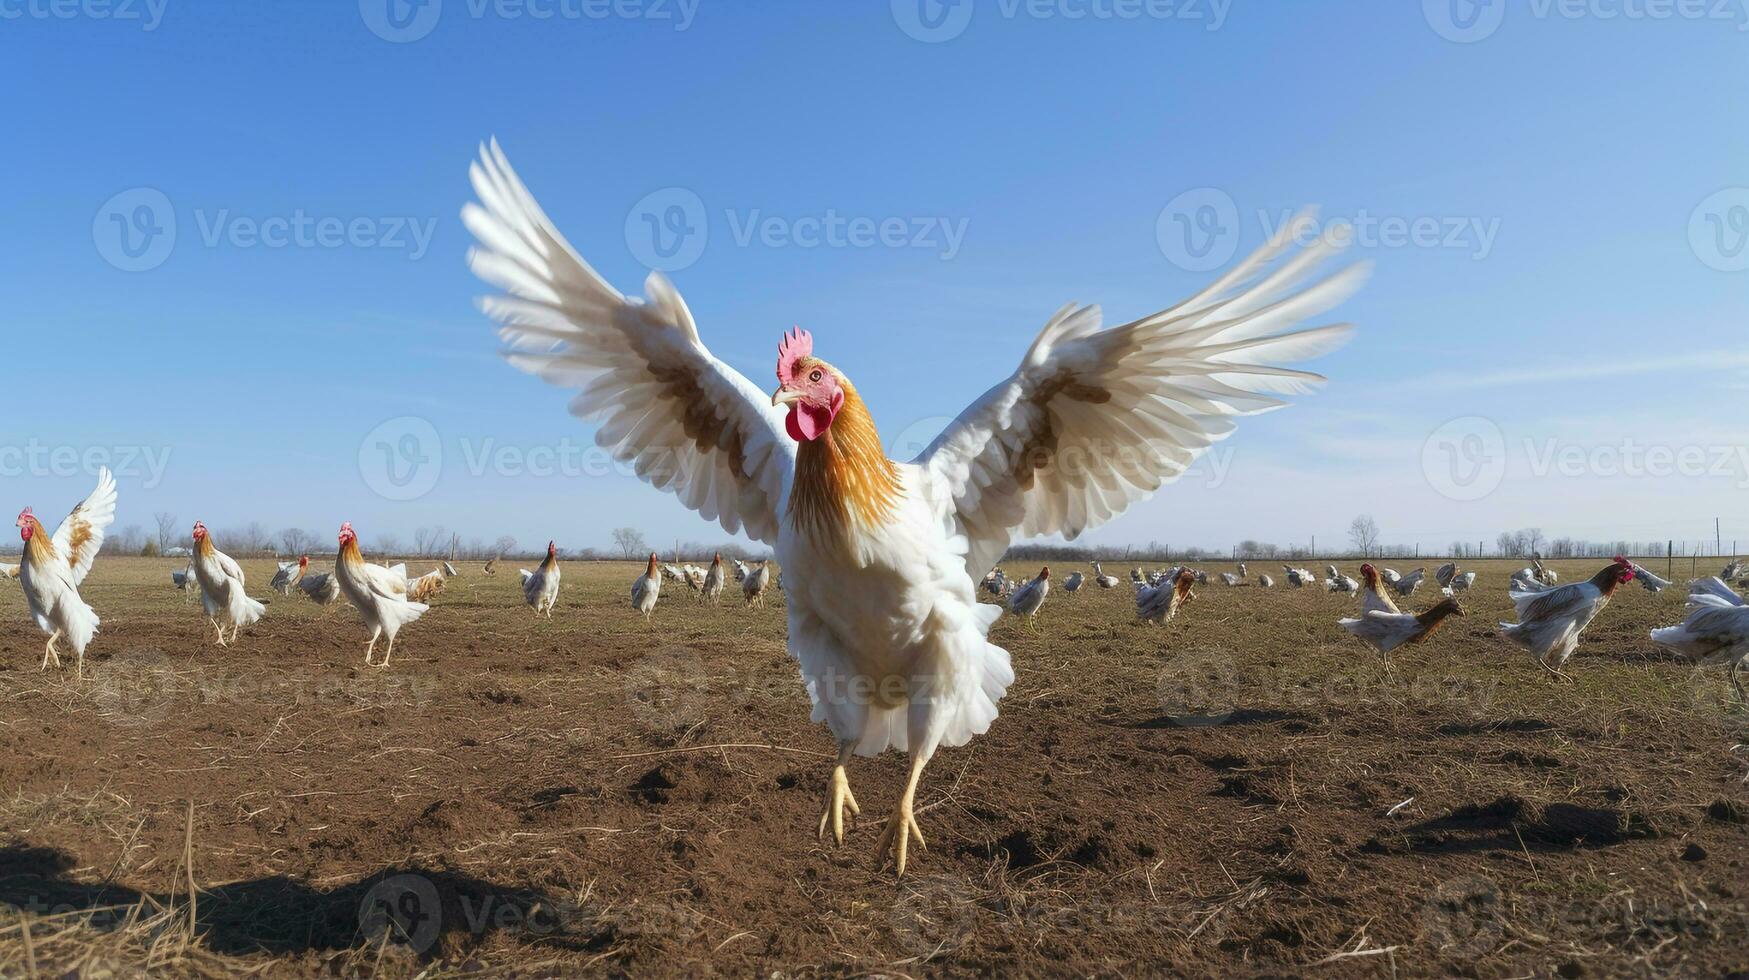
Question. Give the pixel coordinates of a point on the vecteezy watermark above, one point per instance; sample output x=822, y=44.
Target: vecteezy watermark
x=1469, y=21
x=668, y=229
x=148, y=14
x=401, y=459
x=935, y=21
x=1465, y=459
x=136, y=230
x=404, y=909
x=39, y=460
x=1718, y=230
x=141, y=688
x=1199, y=230
x=406, y=21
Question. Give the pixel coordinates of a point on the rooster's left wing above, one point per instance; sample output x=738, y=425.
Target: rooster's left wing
x=80, y=536
x=1094, y=420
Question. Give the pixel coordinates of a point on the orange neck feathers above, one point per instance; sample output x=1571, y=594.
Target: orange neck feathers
x=204, y=546
x=350, y=554
x=844, y=475
x=40, y=548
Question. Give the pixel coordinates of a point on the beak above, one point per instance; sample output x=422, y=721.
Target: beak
x=783, y=396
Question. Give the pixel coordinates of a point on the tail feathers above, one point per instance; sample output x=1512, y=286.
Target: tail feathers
x=78, y=624
x=246, y=611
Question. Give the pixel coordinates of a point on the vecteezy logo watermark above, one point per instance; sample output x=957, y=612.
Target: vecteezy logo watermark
x=1199, y=229
x=1465, y=459
x=935, y=21
x=403, y=909
x=669, y=228
x=405, y=21
x=1199, y=688
x=1469, y=21
x=38, y=460
x=147, y=13
x=1718, y=230
x=1461, y=917
x=401, y=459
x=135, y=231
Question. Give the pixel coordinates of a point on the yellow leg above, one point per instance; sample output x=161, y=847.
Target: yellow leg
x=50, y=654
x=838, y=796
x=371, y=648
x=902, y=825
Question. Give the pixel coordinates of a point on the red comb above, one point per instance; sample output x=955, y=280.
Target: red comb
x=795, y=345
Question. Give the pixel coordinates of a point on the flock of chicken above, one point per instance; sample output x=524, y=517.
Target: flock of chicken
x=1551, y=616
x=883, y=557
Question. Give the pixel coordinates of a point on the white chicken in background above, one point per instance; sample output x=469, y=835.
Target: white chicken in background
x=1372, y=598
x=323, y=588
x=222, y=592
x=1463, y=582
x=647, y=589
x=540, y=588
x=9, y=571
x=1072, y=584
x=184, y=581
x=1546, y=576
x=1342, y=584
x=1242, y=570
x=996, y=583
x=51, y=569
x=715, y=579
x=757, y=581
x=378, y=593
x=426, y=587
x=1331, y=571
x=1732, y=571
x=1524, y=580
x=1265, y=581
x=1231, y=579
x=1715, y=632
x=1550, y=621
x=1160, y=603
x=1651, y=583
x=882, y=559
x=1385, y=630
x=672, y=572
x=1445, y=573
x=1405, y=585
x=288, y=575
x=1103, y=580
x=1299, y=578
x=740, y=569
x=1029, y=598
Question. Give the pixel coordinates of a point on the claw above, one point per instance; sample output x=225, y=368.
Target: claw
x=837, y=798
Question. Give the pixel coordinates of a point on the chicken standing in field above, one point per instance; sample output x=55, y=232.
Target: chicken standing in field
x=1299, y=578
x=1160, y=603
x=540, y=588
x=490, y=568
x=1445, y=573
x=647, y=589
x=1372, y=598
x=1385, y=630
x=184, y=581
x=222, y=592
x=1715, y=632
x=1103, y=580
x=1405, y=585
x=1030, y=598
x=1072, y=584
x=1550, y=621
x=289, y=574
x=378, y=593
x=714, y=579
x=1651, y=583
x=323, y=589
x=51, y=569
x=1231, y=579
x=882, y=558
x=754, y=586
x=426, y=587
x=1264, y=581
x=9, y=571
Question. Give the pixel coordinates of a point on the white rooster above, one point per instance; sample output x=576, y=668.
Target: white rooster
x=754, y=585
x=52, y=568
x=1716, y=630
x=714, y=579
x=289, y=574
x=377, y=592
x=1103, y=580
x=1160, y=603
x=323, y=589
x=1072, y=584
x=222, y=592
x=1030, y=598
x=540, y=588
x=883, y=558
x=647, y=589
x=1550, y=621
x=1372, y=598
x=1405, y=585
x=1385, y=629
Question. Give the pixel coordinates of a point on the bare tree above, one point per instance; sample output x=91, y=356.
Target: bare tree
x=428, y=541
x=629, y=541
x=1364, y=533
x=166, y=530
x=297, y=541
x=1533, y=540
x=504, y=545
x=386, y=545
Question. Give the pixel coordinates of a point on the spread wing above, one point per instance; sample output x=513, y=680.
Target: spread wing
x=1094, y=420
x=683, y=420
x=80, y=536
x=1565, y=602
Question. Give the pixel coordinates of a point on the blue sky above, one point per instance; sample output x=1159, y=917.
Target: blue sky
x=1576, y=300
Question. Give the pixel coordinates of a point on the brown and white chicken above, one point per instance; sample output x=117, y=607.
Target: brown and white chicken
x=1550, y=621
x=289, y=575
x=222, y=589
x=540, y=588
x=426, y=587
x=647, y=589
x=51, y=570
x=882, y=558
x=1716, y=630
x=1386, y=629
x=714, y=579
x=1161, y=603
x=379, y=594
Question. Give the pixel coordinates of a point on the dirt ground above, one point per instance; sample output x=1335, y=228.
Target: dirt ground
x=1245, y=791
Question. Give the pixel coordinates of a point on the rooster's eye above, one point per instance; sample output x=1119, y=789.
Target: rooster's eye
x=815, y=377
